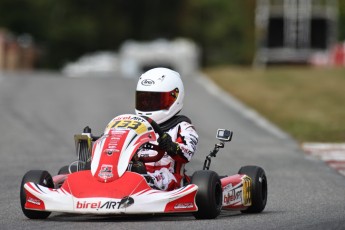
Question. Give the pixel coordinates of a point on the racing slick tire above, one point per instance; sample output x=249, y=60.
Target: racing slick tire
x=258, y=188
x=65, y=169
x=42, y=178
x=209, y=195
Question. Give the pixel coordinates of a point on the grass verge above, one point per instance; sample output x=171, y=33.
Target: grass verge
x=308, y=103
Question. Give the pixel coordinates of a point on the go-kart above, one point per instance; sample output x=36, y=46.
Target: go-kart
x=100, y=182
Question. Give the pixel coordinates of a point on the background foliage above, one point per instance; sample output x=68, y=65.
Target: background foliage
x=305, y=102
x=66, y=29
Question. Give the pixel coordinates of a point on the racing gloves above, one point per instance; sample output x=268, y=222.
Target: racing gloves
x=166, y=144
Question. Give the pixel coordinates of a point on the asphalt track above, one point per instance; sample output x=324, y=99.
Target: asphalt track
x=40, y=113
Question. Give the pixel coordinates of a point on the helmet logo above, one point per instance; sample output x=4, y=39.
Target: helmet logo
x=147, y=82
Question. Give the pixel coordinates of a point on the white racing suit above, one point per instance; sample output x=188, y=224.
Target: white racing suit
x=168, y=173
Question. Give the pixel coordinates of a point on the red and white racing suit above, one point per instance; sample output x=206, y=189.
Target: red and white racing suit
x=168, y=172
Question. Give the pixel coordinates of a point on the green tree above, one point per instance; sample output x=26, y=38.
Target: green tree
x=66, y=29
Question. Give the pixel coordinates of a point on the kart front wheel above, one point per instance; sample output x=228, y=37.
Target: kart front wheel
x=39, y=177
x=258, y=188
x=209, y=195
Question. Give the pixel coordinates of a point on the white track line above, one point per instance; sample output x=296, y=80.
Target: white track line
x=247, y=112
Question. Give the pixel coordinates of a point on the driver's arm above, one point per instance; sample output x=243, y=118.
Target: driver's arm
x=185, y=145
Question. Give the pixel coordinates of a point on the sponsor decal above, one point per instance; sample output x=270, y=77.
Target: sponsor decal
x=232, y=195
x=138, y=119
x=113, y=143
x=183, y=205
x=34, y=201
x=116, y=133
x=187, y=151
x=106, y=171
x=86, y=205
x=147, y=82
x=195, y=139
x=108, y=205
x=123, y=117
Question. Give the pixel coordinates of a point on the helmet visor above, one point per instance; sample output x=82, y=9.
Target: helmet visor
x=154, y=101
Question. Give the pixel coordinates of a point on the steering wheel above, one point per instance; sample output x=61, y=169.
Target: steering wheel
x=160, y=152
x=154, y=125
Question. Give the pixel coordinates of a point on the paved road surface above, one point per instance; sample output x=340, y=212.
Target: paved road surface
x=40, y=113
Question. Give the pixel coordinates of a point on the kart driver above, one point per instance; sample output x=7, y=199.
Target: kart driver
x=159, y=95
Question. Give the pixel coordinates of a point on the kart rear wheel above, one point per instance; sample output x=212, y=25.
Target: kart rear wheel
x=258, y=189
x=209, y=195
x=42, y=178
x=65, y=169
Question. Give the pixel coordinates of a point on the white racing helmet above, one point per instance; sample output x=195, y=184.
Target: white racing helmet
x=159, y=94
